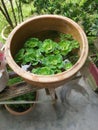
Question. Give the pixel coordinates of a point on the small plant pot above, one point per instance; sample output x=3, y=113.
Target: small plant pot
x=17, y=113
x=38, y=26
x=5, y=32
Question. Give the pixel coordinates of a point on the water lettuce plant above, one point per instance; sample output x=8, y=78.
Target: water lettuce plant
x=49, y=46
x=47, y=57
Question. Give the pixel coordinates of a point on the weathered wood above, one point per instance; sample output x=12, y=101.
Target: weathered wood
x=17, y=90
x=53, y=94
x=23, y=88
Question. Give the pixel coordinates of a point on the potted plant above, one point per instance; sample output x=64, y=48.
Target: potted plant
x=21, y=109
x=41, y=27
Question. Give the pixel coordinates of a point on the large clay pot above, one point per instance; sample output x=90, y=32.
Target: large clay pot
x=38, y=26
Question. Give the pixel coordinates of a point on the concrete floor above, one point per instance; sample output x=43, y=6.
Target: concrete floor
x=79, y=111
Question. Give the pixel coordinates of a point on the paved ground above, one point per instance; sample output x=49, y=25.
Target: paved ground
x=79, y=111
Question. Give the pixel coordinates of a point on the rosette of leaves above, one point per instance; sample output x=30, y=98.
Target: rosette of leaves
x=32, y=43
x=32, y=56
x=48, y=57
x=43, y=71
x=52, y=64
x=67, y=46
x=20, y=55
x=66, y=37
x=53, y=60
x=48, y=46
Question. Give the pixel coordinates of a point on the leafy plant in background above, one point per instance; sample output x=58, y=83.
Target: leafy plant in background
x=19, y=11
x=47, y=57
x=5, y=12
x=12, y=20
x=83, y=11
x=26, y=1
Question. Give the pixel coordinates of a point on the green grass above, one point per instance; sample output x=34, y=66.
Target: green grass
x=14, y=80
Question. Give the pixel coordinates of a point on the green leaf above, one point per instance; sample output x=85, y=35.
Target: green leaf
x=67, y=46
x=56, y=51
x=64, y=37
x=75, y=44
x=32, y=43
x=52, y=60
x=29, y=56
x=34, y=62
x=48, y=46
x=64, y=47
x=43, y=71
x=57, y=71
x=19, y=56
x=33, y=56
x=60, y=65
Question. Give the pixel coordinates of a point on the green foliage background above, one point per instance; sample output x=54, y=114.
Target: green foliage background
x=84, y=12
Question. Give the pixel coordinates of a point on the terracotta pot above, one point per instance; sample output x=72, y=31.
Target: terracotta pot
x=10, y=110
x=38, y=26
x=3, y=33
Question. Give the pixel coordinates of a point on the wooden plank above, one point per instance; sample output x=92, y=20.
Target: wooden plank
x=20, y=89
x=28, y=102
x=17, y=90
